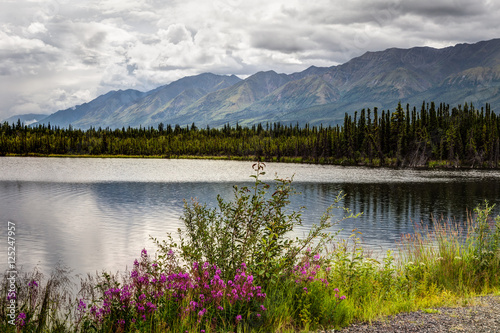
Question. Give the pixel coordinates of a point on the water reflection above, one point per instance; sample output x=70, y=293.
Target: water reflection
x=94, y=224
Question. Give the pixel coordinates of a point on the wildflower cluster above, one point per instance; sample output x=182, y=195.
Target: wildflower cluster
x=307, y=271
x=313, y=295
x=200, y=295
x=21, y=320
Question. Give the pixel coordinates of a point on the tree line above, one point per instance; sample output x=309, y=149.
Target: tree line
x=434, y=135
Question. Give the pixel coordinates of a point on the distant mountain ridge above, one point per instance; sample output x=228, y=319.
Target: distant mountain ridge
x=455, y=75
x=27, y=119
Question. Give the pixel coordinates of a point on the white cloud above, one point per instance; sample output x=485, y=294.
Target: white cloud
x=37, y=28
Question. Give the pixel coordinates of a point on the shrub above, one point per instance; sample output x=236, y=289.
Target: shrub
x=254, y=228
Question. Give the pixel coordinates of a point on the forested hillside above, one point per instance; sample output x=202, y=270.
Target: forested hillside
x=432, y=135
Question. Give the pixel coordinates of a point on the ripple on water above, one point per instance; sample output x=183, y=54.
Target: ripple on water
x=94, y=214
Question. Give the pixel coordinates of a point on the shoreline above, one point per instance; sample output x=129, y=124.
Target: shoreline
x=478, y=314
x=432, y=165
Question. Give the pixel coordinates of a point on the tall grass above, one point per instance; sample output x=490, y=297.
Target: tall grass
x=235, y=270
x=462, y=258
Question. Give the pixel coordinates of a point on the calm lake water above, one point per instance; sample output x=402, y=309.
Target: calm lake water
x=97, y=214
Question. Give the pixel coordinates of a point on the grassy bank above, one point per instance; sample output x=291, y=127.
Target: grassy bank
x=233, y=268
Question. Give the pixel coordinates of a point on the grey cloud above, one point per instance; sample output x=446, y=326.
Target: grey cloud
x=350, y=12
x=131, y=69
x=448, y=8
x=177, y=33
x=96, y=40
x=276, y=42
x=5, y=70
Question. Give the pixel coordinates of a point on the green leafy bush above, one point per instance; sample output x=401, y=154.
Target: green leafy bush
x=253, y=228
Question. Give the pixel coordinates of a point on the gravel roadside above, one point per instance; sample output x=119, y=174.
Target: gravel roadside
x=482, y=317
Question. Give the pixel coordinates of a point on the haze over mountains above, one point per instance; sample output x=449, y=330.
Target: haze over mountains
x=455, y=75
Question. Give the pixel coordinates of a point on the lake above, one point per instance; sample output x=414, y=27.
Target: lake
x=95, y=214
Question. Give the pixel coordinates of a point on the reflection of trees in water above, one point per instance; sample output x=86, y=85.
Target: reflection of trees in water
x=390, y=210
x=420, y=201
x=58, y=219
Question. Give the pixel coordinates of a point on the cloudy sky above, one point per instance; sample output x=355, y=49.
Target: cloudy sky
x=55, y=54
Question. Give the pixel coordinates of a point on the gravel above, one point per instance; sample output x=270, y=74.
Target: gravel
x=483, y=316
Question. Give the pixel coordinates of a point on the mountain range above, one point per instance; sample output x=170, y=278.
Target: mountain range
x=454, y=75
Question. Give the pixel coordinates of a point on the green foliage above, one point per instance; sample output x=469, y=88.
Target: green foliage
x=437, y=136
x=486, y=245
x=253, y=228
x=453, y=258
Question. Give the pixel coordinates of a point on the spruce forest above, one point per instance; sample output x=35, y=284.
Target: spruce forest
x=431, y=136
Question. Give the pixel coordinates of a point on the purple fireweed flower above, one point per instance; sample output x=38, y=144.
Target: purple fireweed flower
x=82, y=306
x=258, y=315
x=243, y=265
x=238, y=318
x=263, y=308
x=21, y=319
x=152, y=307
x=33, y=284
x=144, y=253
x=343, y=297
x=220, y=308
x=305, y=289
x=136, y=263
x=144, y=280
x=317, y=257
